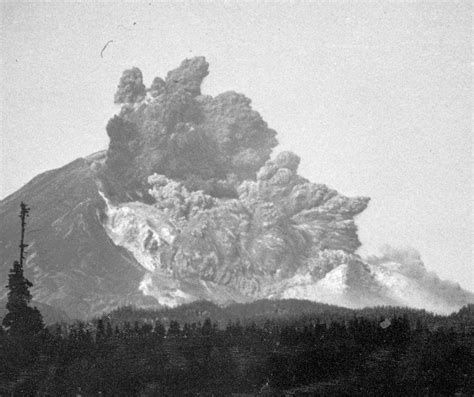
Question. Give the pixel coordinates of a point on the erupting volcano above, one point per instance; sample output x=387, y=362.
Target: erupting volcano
x=190, y=202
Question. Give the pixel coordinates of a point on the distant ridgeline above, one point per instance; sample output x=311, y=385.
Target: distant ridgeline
x=188, y=203
x=289, y=311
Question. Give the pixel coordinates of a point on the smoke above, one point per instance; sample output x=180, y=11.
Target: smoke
x=130, y=88
x=404, y=275
x=406, y=260
x=188, y=76
x=210, y=144
x=243, y=225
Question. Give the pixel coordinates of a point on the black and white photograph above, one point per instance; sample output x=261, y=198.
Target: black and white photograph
x=236, y=198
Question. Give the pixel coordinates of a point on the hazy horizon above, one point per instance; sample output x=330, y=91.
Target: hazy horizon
x=374, y=98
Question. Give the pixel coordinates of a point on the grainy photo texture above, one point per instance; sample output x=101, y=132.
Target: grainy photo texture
x=236, y=199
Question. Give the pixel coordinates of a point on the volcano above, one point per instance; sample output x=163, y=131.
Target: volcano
x=188, y=203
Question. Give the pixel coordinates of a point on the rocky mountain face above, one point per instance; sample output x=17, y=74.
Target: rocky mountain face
x=186, y=204
x=71, y=260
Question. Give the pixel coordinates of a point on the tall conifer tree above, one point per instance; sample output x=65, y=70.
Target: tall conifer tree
x=21, y=319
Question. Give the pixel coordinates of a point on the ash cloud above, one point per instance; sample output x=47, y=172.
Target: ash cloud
x=131, y=88
x=273, y=228
x=208, y=143
x=244, y=226
x=403, y=273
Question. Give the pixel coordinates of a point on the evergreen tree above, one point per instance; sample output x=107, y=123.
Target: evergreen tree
x=100, y=331
x=109, y=332
x=174, y=329
x=160, y=330
x=21, y=319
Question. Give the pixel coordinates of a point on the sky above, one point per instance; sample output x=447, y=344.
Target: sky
x=375, y=97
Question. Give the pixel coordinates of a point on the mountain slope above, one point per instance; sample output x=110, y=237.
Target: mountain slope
x=71, y=261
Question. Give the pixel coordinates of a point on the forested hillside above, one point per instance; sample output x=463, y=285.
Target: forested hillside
x=266, y=349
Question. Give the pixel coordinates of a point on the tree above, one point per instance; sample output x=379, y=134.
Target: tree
x=174, y=329
x=100, y=332
x=21, y=319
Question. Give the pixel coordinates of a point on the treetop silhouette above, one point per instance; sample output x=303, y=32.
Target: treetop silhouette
x=21, y=319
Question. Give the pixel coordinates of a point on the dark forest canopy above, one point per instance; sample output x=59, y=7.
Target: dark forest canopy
x=334, y=351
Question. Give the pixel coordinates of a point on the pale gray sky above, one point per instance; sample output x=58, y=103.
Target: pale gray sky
x=375, y=97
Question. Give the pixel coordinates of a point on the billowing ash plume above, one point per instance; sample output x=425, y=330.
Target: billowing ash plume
x=403, y=274
x=210, y=144
x=193, y=194
x=273, y=228
x=131, y=88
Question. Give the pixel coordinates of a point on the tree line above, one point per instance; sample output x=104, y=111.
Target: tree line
x=355, y=357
